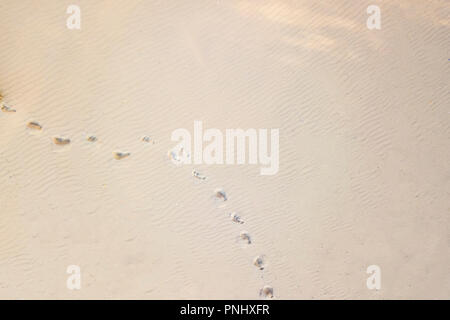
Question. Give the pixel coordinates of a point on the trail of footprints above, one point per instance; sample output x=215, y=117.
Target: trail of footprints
x=219, y=194
x=60, y=140
x=259, y=261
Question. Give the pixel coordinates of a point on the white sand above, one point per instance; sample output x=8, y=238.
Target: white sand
x=364, y=124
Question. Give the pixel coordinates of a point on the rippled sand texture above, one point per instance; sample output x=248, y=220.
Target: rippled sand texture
x=364, y=124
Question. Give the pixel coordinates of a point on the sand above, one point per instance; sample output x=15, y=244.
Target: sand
x=364, y=176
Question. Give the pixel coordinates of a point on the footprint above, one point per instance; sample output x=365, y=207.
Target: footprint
x=173, y=156
x=60, y=141
x=5, y=108
x=121, y=155
x=198, y=175
x=91, y=138
x=146, y=139
x=178, y=157
x=246, y=236
x=34, y=125
x=220, y=194
x=234, y=217
x=266, y=292
x=259, y=262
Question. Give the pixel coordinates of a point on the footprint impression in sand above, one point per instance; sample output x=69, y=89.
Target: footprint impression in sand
x=60, y=141
x=259, y=262
x=198, y=175
x=91, y=138
x=121, y=155
x=7, y=109
x=266, y=292
x=236, y=218
x=34, y=125
x=220, y=194
x=246, y=237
